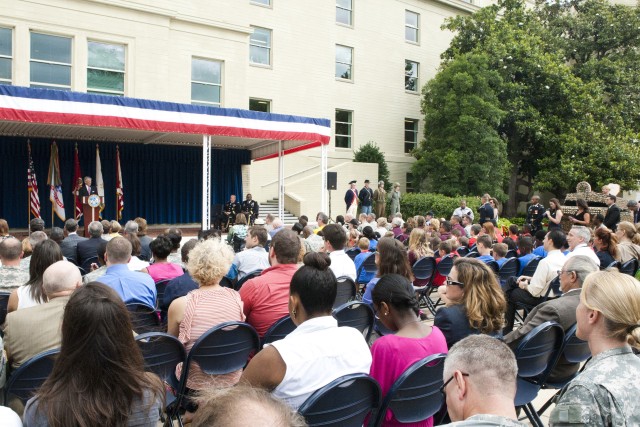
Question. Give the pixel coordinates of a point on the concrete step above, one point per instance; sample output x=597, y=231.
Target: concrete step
x=271, y=207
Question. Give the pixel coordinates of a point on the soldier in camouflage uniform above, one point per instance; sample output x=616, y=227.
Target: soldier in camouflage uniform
x=607, y=392
x=11, y=274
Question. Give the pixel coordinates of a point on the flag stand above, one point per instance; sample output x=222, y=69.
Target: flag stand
x=29, y=210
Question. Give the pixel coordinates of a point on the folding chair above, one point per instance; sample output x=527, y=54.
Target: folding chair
x=278, y=331
x=630, y=267
x=161, y=286
x=531, y=266
x=511, y=253
x=4, y=301
x=346, y=291
x=493, y=265
x=162, y=353
x=249, y=276
x=554, y=286
x=508, y=269
x=86, y=265
x=443, y=268
x=353, y=253
x=28, y=378
x=143, y=318
x=423, y=270
x=573, y=350
x=369, y=267
x=415, y=395
x=345, y=402
x=536, y=355
x=356, y=315
x=472, y=254
x=463, y=251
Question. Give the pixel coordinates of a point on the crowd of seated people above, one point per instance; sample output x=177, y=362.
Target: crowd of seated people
x=198, y=298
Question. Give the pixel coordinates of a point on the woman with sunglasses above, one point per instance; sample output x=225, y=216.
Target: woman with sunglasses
x=477, y=303
x=397, y=308
x=607, y=390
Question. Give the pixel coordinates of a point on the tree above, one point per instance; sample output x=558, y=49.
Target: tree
x=462, y=152
x=370, y=153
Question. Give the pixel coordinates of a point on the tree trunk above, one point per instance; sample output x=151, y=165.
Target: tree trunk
x=512, y=202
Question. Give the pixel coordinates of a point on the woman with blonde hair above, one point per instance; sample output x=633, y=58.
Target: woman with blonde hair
x=629, y=238
x=606, y=391
x=477, y=303
x=434, y=227
x=418, y=248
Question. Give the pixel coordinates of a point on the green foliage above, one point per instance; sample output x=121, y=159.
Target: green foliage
x=518, y=220
x=412, y=204
x=371, y=153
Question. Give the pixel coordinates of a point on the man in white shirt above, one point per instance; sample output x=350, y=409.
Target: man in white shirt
x=254, y=257
x=463, y=210
x=531, y=290
x=578, y=239
x=334, y=240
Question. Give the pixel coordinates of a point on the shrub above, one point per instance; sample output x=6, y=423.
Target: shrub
x=412, y=204
x=371, y=153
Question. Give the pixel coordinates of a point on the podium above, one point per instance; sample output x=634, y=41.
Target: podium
x=90, y=210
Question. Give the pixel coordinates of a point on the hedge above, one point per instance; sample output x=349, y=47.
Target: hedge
x=412, y=204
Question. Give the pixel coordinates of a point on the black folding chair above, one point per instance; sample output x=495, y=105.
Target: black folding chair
x=86, y=265
x=463, y=251
x=249, y=276
x=472, y=254
x=369, y=267
x=161, y=286
x=536, y=355
x=346, y=291
x=344, y=402
x=630, y=267
x=573, y=350
x=356, y=315
x=223, y=349
x=423, y=270
x=143, y=318
x=415, y=395
x=27, y=379
x=352, y=252
x=443, y=268
x=508, y=269
x=531, y=266
x=511, y=253
x=278, y=330
x=493, y=265
x=554, y=286
x=4, y=301
x=162, y=353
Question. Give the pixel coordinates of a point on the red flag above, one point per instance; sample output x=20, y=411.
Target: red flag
x=32, y=186
x=119, y=192
x=77, y=182
x=55, y=184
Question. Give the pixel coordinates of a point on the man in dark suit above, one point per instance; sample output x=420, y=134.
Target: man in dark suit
x=251, y=209
x=612, y=218
x=87, y=189
x=351, y=199
x=561, y=310
x=87, y=250
x=535, y=214
x=366, y=198
x=70, y=243
x=230, y=210
x=486, y=210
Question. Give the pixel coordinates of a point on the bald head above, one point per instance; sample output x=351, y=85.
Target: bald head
x=10, y=250
x=59, y=277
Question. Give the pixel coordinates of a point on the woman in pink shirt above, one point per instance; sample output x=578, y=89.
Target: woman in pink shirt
x=397, y=308
x=161, y=269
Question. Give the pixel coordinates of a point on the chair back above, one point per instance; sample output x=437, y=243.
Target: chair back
x=368, y=266
x=346, y=291
x=86, y=265
x=472, y=254
x=143, y=318
x=162, y=353
x=278, y=330
x=493, y=265
x=401, y=237
x=238, y=244
x=28, y=378
x=424, y=268
x=511, y=253
x=463, y=251
x=249, y=276
x=353, y=253
x=574, y=349
x=508, y=269
x=445, y=265
x=4, y=301
x=630, y=267
x=415, y=395
x=356, y=315
x=345, y=402
x=160, y=288
x=530, y=268
x=538, y=350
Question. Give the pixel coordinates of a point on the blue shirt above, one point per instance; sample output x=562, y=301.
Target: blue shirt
x=485, y=258
x=373, y=244
x=539, y=251
x=501, y=261
x=358, y=260
x=132, y=286
x=524, y=260
x=366, y=298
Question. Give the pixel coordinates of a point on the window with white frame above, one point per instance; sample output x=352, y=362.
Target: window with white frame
x=6, y=55
x=410, y=134
x=344, y=62
x=50, y=65
x=344, y=12
x=105, y=68
x=344, y=123
x=206, y=82
x=411, y=26
x=411, y=76
x=260, y=46
x=263, y=105
x=262, y=2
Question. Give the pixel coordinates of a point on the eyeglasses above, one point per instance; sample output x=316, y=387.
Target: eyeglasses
x=563, y=271
x=446, y=383
x=450, y=282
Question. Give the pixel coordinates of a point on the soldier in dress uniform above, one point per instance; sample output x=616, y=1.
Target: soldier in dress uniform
x=535, y=213
x=250, y=208
x=230, y=210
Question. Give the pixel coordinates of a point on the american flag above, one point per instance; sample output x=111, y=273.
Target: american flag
x=32, y=186
x=119, y=186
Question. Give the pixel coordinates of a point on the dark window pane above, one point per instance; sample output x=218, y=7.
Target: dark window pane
x=343, y=129
x=343, y=116
x=408, y=147
x=259, y=105
x=50, y=73
x=105, y=80
x=50, y=48
x=343, y=142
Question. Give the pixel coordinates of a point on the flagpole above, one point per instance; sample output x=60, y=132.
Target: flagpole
x=29, y=209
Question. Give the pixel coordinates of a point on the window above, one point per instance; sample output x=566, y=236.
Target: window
x=262, y=2
x=409, y=186
x=260, y=46
x=344, y=9
x=344, y=61
x=206, y=82
x=343, y=128
x=6, y=55
x=50, y=61
x=410, y=134
x=263, y=105
x=105, y=70
x=411, y=26
x=411, y=76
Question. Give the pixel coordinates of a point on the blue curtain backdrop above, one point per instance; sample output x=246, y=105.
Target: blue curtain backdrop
x=162, y=183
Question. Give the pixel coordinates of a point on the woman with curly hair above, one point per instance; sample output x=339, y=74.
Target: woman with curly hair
x=477, y=302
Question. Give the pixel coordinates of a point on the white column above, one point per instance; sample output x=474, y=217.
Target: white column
x=280, y=181
x=206, y=182
x=323, y=178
